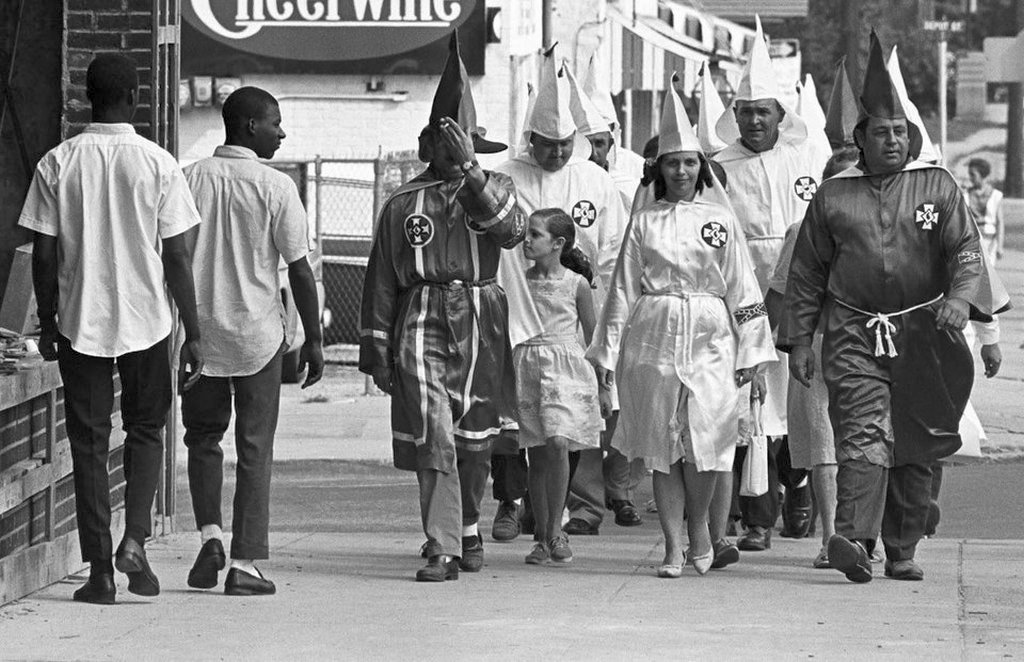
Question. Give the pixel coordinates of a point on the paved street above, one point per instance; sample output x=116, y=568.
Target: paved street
x=346, y=534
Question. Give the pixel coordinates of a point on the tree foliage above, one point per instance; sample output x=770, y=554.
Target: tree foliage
x=832, y=24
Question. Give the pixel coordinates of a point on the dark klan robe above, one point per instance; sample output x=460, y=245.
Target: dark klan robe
x=433, y=311
x=889, y=244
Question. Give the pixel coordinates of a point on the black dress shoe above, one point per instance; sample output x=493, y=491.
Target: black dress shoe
x=131, y=560
x=239, y=582
x=437, y=570
x=579, y=527
x=99, y=590
x=757, y=539
x=626, y=513
x=472, y=554
x=209, y=562
x=796, y=513
x=906, y=570
x=850, y=558
x=430, y=548
x=726, y=553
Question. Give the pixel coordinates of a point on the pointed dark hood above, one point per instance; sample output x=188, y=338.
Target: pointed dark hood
x=842, y=109
x=879, y=97
x=454, y=99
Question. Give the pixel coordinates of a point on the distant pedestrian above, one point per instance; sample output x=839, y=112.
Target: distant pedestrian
x=559, y=408
x=111, y=213
x=252, y=220
x=986, y=203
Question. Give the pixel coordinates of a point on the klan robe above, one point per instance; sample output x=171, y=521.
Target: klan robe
x=683, y=313
x=770, y=191
x=432, y=309
x=588, y=194
x=627, y=169
x=886, y=244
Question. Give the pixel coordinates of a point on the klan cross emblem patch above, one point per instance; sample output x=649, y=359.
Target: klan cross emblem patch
x=805, y=188
x=584, y=213
x=714, y=234
x=926, y=215
x=419, y=230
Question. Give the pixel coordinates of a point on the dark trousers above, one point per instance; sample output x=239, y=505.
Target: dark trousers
x=206, y=413
x=88, y=404
x=763, y=511
x=871, y=498
x=509, y=473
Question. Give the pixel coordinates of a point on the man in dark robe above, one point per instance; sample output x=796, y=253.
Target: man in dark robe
x=888, y=253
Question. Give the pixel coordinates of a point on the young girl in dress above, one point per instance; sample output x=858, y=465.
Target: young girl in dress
x=559, y=408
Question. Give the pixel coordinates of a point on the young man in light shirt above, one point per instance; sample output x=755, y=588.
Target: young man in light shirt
x=252, y=218
x=111, y=211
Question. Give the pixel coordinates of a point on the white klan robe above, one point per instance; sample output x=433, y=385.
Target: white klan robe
x=769, y=191
x=683, y=312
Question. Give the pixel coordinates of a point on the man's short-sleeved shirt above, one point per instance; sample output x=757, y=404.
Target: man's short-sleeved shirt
x=252, y=218
x=110, y=196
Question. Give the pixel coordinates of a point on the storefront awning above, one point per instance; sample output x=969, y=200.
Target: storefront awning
x=657, y=33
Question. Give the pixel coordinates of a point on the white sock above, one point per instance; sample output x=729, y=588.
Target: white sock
x=209, y=532
x=469, y=531
x=246, y=565
x=802, y=483
x=518, y=501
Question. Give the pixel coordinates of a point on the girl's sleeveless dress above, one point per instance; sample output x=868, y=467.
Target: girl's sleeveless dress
x=556, y=385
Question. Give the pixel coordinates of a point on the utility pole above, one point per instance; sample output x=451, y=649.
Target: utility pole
x=1013, y=184
x=546, y=16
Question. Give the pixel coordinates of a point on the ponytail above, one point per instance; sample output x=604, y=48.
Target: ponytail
x=573, y=259
x=560, y=224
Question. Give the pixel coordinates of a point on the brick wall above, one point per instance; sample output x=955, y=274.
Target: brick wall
x=107, y=26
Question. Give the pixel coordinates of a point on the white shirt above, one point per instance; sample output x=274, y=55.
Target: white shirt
x=109, y=196
x=252, y=217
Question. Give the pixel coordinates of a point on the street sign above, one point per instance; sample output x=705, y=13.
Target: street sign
x=944, y=26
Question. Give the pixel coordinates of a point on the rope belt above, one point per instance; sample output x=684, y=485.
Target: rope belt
x=883, y=327
x=687, y=313
x=463, y=285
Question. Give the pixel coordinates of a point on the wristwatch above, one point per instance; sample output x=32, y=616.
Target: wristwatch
x=468, y=165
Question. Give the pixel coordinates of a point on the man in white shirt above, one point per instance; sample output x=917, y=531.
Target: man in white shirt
x=110, y=211
x=252, y=218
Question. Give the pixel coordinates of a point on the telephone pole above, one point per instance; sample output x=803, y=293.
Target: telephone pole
x=1013, y=185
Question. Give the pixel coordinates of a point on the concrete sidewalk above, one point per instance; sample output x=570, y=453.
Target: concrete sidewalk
x=352, y=597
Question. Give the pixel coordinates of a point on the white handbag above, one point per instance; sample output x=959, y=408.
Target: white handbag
x=754, y=478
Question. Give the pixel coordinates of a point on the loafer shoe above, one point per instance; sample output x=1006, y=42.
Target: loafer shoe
x=906, y=570
x=579, y=527
x=98, y=590
x=437, y=570
x=131, y=560
x=239, y=582
x=726, y=553
x=850, y=558
x=757, y=539
x=626, y=513
x=472, y=554
x=506, y=522
x=209, y=562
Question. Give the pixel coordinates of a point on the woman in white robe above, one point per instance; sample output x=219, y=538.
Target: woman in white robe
x=683, y=326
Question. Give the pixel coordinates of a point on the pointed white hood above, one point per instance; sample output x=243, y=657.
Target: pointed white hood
x=589, y=119
x=711, y=108
x=928, y=151
x=758, y=81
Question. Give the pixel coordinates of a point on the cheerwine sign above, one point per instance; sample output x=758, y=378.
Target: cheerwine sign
x=326, y=30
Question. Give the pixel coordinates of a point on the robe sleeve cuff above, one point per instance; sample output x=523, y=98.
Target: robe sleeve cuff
x=755, y=343
x=490, y=206
x=374, y=350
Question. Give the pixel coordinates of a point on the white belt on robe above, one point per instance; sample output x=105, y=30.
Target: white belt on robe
x=883, y=327
x=687, y=313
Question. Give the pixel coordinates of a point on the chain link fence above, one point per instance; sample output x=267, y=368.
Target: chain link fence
x=343, y=198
